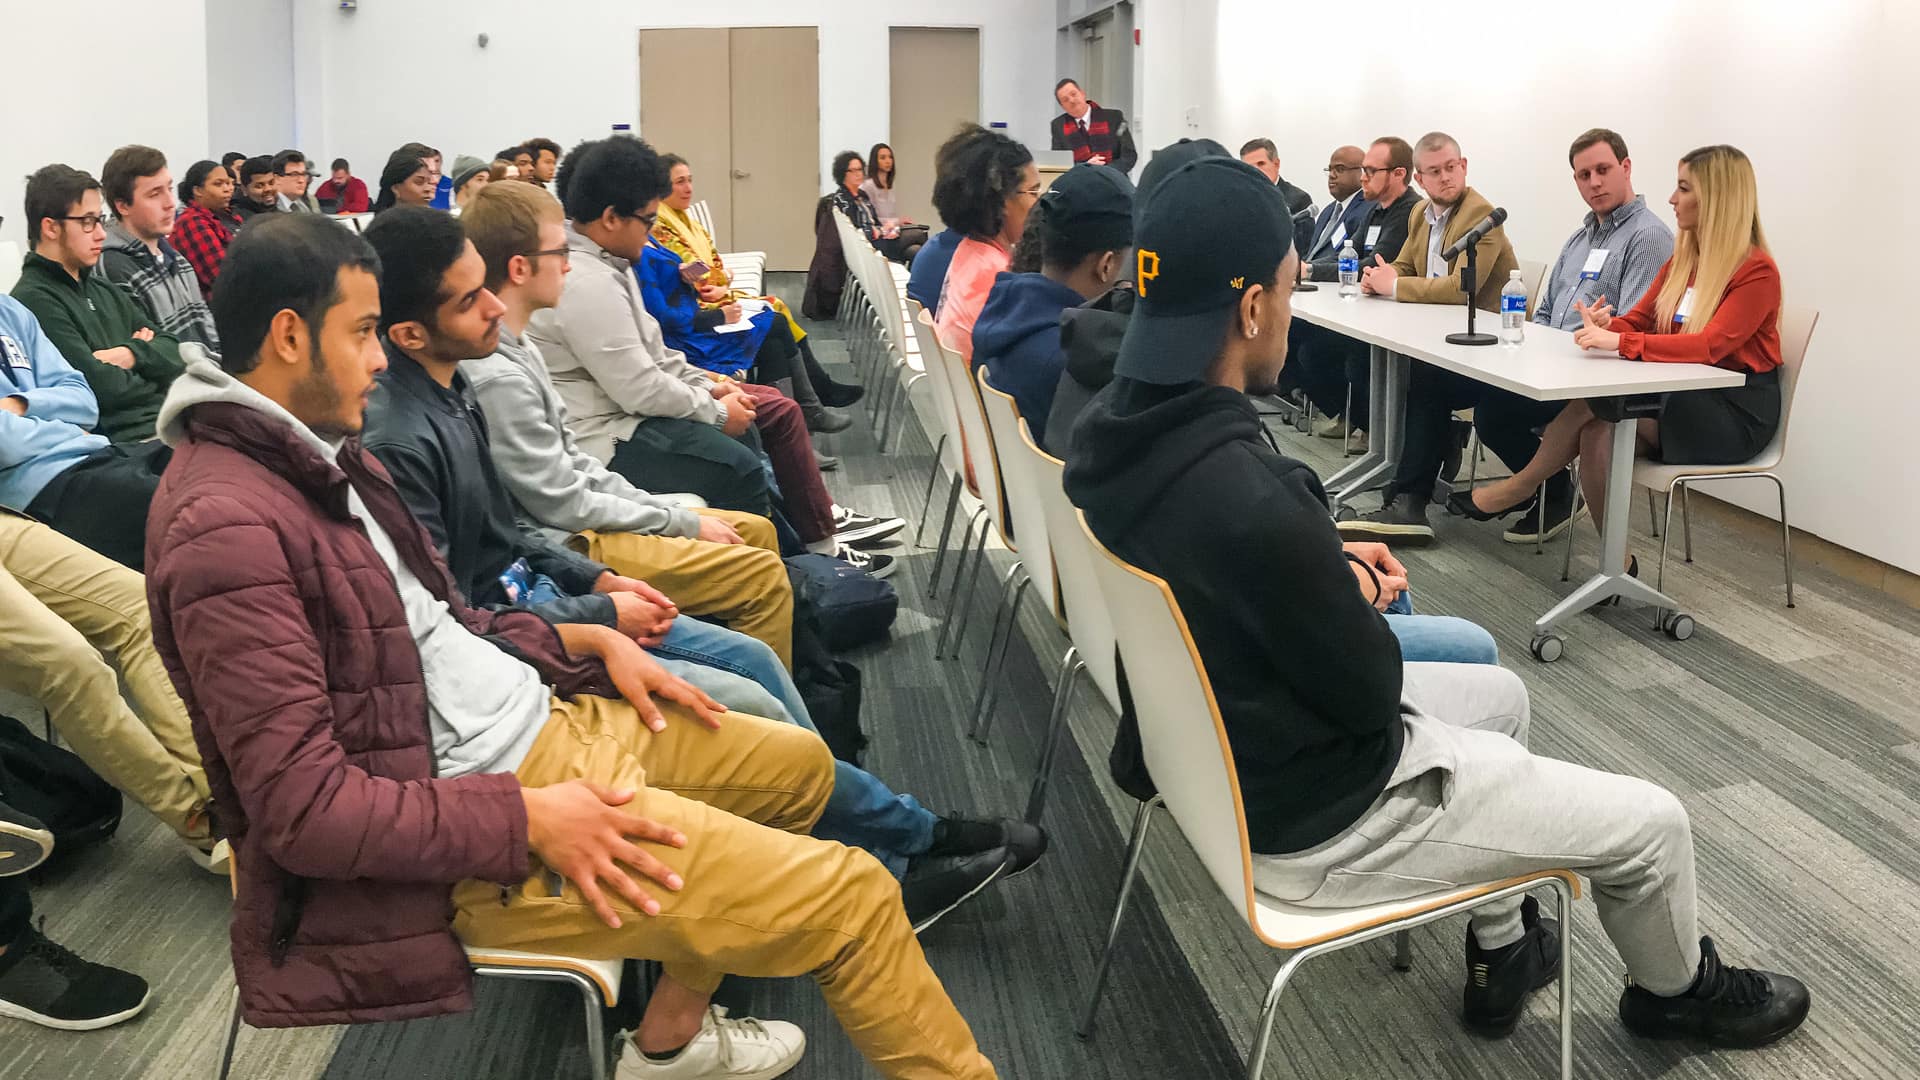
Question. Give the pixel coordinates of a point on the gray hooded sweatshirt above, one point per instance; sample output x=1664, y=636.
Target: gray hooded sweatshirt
x=485, y=708
x=557, y=488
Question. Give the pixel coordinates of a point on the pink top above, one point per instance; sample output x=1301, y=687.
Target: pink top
x=969, y=278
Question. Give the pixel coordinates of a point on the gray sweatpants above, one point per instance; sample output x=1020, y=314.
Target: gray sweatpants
x=1468, y=803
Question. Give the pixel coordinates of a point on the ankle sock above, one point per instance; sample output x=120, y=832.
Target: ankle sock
x=662, y=1059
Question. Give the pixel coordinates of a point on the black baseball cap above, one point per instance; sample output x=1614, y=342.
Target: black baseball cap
x=1170, y=157
x=1092, y=203
x=1207, y=231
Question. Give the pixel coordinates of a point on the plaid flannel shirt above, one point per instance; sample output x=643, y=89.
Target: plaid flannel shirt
x=202, y=236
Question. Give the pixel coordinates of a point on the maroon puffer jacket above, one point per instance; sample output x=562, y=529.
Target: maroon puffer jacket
x=285, y=635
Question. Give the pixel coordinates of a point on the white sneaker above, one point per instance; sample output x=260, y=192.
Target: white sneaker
x=217, y=859
x=743, y=1049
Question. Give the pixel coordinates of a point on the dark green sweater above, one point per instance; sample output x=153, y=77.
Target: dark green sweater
x=90, y=314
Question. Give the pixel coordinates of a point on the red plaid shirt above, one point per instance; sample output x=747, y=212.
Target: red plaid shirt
x=202, y=236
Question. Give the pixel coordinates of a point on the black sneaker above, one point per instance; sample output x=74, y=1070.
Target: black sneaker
x=1739, y=1008
x=936, y=884
x=45, y=984
x=24, y=842
x=1499, y=981
x=1528, y=528
x=956, y=835
x=874, y=563
x=1404, y=519
x=853, y=527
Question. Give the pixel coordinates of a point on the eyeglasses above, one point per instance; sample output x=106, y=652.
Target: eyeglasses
x=1368, y=171
x=1448, y=168
x=293, y=176
x=1332, y=169
x=87, y=222
x=649, y=220
x=549, y=251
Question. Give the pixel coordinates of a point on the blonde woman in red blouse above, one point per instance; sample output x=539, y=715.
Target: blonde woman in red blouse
x=1717, y=301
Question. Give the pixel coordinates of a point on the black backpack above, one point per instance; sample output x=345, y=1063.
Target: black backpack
x=850, y=606
x=41, y=779
x=829, y=686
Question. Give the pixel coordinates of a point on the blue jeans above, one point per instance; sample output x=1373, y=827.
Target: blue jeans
x=1438, y=639
x=743, y=674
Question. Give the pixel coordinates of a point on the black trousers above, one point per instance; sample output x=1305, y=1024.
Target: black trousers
x=667, y=454
x=1330, y=364
x=1505, y=420
x=103, y=500
x=16, y=909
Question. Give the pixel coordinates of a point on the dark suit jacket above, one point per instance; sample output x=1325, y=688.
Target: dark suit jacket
x=1107, y=133
x=1326, y=258
x=1393, y=220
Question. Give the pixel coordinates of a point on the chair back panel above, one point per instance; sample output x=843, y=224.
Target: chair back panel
x=1181, y=733
x=1087, y=620
x=1796, y=333
x=1028, y=518
x=976, y=439
x=943, y=406
x=703, y=214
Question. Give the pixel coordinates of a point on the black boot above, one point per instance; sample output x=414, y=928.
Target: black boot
x=1499, y=981
x=1728, y=1006
x=836, y=395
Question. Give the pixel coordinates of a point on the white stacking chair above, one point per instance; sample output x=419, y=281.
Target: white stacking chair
x=946, y=440
x=1796, y=333
x=1027, y=519
x=10, y=261
x=746, y=268
x=1186, y=748
x=977, y=442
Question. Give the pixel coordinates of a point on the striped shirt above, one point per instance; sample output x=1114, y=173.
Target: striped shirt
x=165, y=286
x=1637, y=244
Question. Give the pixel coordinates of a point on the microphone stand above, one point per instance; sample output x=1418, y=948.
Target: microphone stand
x=1467, y=278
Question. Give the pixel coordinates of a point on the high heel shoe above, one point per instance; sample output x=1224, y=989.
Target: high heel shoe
x=1461, y=503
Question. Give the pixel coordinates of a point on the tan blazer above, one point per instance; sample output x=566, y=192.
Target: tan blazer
x=1495, y=261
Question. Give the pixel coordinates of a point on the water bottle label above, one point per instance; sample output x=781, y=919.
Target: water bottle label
x=1513, y=305
x=1349, y=266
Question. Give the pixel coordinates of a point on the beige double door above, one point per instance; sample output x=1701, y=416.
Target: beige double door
x=742, y=105
x=934, y=87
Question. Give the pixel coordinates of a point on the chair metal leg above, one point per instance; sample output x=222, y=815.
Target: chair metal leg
x=1403, y=951
x=597, y=1045
x=1004, y=630
x=233, y=1036
x=1686, y=519
x=960, y=558
x=1666, y=535
x=1071, y=667
x=1540, y=519
x=898, y=425
x=1786, y=535
x=1142, y=818
x=1269, y=1010
x=1566, y=562
x=946, y=533
x=1563, y=895
x=926, y=497
x=959, y=601
x=1653, y=515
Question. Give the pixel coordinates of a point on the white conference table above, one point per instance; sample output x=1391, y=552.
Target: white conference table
x=1547, y=366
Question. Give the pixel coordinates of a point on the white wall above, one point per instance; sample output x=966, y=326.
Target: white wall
x=55, y=112
x=398, y=70
x=250, y=69
x=1817, y=95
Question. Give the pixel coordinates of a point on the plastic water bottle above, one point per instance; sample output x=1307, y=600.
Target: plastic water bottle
x=1349, y=271
x=1513, y=311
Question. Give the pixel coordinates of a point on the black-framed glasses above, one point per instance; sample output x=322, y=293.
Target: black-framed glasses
x=87, y=222
x=1332, y=169
x=1368, y=171
x=562, y=250
x=650, y=220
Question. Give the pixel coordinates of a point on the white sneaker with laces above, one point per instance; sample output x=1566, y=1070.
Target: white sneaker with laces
x=214, y=860
x=725, y=1049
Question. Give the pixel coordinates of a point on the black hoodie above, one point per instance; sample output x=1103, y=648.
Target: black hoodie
x=1090, y=338
x=1178, y=482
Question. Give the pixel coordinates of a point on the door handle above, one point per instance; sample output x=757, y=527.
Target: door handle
x=738, y=175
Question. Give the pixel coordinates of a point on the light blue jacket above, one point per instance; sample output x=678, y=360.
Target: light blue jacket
x=61, y=411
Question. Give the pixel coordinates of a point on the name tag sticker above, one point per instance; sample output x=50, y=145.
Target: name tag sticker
x=1596, y=259
x=1373, y=235
x=1685, y=310
x=1339, y=236
x=16, y=356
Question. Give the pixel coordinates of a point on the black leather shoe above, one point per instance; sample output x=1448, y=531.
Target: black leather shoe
x=1499, y=981
x=936, y=884
x=1740, y=1008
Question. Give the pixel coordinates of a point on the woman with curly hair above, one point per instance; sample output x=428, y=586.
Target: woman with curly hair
x=986, y=187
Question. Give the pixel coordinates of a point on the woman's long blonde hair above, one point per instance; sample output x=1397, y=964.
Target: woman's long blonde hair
x=1725, y=232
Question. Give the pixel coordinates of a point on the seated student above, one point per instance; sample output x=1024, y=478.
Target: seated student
x=52, y=467
x=390, y=755
x=907, y=236
x=522, y=158
x=986, y=186
x=698, y=557
x=1614, y=257
x=1333, y=367
x=259, y=189
x=930, y=267
x=407, y=179
x=544, y=158
x=639, y=406
x=73, y=631
x=291, y=177
x=850, y=198
x=470, y=175
x=138, y=258
x=40, y=981
x=231, y=161
x=691, y=241
x=1091, y=335
x=342, y=192
x=98, y=328
x=206, y=223
x=1085, y=226
x=1421, y=276
x=1365, y=780
x=1716, y=301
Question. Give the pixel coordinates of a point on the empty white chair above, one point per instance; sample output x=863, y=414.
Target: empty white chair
x=1028, y=520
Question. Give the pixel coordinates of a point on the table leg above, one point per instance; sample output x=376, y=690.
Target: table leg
x=1387, y=383
x=1612, y=579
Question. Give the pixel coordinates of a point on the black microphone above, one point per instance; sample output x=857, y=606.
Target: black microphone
x=1474, y=235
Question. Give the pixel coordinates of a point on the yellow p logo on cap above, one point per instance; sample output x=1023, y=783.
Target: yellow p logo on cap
x=1148, y=270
